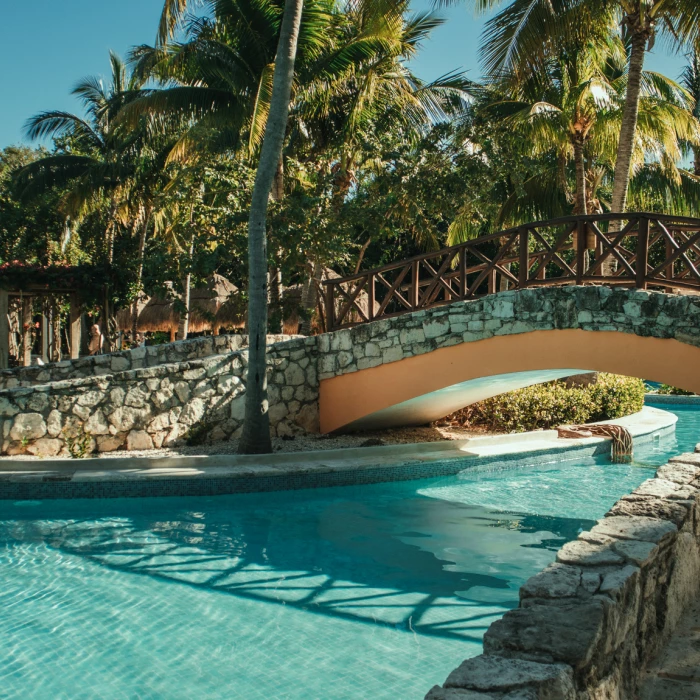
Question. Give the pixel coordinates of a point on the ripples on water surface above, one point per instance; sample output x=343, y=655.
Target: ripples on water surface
x=358, y=592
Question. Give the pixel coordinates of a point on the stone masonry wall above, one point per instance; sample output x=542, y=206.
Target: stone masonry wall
x=211, y=377
x=144, y=356
x=159, y=406
x=507, y=313
x=588, y=624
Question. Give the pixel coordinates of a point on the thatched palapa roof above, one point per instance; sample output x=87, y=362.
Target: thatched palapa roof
x=207, y=301
x=125, y=317
x=161, y=314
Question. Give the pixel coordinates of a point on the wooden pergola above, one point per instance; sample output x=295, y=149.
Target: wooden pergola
x=50, y=328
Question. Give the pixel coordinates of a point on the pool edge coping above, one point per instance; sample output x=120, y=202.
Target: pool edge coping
x=209, y=475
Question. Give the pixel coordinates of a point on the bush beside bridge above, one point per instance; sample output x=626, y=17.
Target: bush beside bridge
x=545, y=406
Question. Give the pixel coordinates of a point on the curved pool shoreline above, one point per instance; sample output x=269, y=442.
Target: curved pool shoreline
x=136, y=477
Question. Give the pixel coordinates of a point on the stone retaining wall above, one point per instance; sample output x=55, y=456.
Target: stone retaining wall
x=143, y=375
x=589, y=623
x=158, y=406
x=144, y=356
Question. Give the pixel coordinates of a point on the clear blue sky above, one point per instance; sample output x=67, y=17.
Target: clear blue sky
x=46, y=46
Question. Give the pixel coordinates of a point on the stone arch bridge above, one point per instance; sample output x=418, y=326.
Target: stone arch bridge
x=407, y=369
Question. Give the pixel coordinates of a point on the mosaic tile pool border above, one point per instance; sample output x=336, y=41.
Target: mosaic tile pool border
x=49, y=486
x=668, y=399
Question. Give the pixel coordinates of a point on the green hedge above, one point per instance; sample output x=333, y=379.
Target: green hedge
x=673, y=391
x=545, y=406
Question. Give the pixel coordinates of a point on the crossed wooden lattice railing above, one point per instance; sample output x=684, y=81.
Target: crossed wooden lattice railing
x=640, y=250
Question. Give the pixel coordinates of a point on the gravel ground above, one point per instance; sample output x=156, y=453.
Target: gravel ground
x=303, y=443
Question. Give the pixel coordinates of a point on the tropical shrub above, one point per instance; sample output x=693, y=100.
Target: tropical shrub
x=545, y=406
x=673, y=390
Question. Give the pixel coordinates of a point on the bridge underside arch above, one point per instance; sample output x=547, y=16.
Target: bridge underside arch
x=423, y=388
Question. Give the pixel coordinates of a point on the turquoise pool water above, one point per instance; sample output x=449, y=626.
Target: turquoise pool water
x=346, y=593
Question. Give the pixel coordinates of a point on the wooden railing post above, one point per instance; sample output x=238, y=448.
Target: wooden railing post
x=524, y=264
x=462, y=272
x=581, y=246
x=370, y=296
x=642, y=252
x=330, y=307
x=415, y=284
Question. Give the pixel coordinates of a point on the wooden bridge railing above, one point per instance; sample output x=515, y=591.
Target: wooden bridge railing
x=640, y=250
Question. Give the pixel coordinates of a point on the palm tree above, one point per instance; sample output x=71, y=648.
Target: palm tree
x=98, y=160
x=690, y=79
x=255, y=437
x=256, y=427
x=570, y=113
x=102, y=163
x=522, y=35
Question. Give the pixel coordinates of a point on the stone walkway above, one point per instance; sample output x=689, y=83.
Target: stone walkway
x=675, y=673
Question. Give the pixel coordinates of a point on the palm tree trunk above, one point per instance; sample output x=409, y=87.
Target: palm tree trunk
x=696, y=161
x=275, y=282
x=256, y=425
x=183, y=327
x=309, y=297
x=628, y=127
x=139, y=272
x=580, y=166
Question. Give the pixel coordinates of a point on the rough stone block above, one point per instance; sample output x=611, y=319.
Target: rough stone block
x=692, y=458
x=53, y=423
x=661, y=488
x=616, y=583
x=559, y=633
x=96, y=424
x=139, y=440
x=28, y=426
x=125, y=418
x=119, y=363
x=45, y=447
x=237, y=408
x=556, y=581
x=7, y=408
x=636, y=528
x=436, y=328
x=639, y=553
x=584, y=553
x=498, y=674
x=392, y=354
x=679, y=472
x=650, y=507
x=193, y=412
x=412, y=335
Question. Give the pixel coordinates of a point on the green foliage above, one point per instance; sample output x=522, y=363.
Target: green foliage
x=78, y=442
x=198, y=434
x=155, y=176
x=673, y=391
x=545, y=406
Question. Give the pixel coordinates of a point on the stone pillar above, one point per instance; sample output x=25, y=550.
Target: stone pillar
x=76, y=325
x=4, y=329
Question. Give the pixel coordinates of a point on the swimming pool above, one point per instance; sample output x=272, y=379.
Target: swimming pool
x=355, y=592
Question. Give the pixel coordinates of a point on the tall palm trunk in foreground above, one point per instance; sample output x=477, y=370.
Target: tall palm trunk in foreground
x=580, y=165
x=629, y=121
x=256, y=426
x=628, y=129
